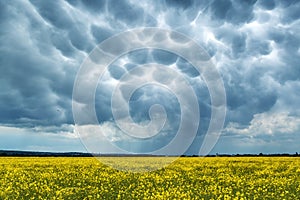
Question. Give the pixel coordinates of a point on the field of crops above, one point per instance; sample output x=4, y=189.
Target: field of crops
x=186, y=178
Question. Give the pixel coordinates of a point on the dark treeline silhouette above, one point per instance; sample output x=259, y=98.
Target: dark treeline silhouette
x=81, y=154
x=250, y=155
x=15, y=153
x=43, y=154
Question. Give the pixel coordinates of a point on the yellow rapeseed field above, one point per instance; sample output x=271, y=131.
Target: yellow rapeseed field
x=186, y=178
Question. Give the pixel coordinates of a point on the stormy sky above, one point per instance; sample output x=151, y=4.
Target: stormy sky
x=255, y=45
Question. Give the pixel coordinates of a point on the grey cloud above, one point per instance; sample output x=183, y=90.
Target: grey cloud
x=103, y=103
x=126, y=12
x=79, y=39
x=187, y=68
x=286, y=4
x=62, y=22
x=288, y=47
x=258, y=47
x=53, y=13
x=100, y=33
x=179, y=4
x=255, y=45
x=288, y=100
x=220, y=9
x=143, y=99
x=242, y=12
x=268, y=5
x=247, y=94
x=130, y=66
x=37, y=85
x=141, y=56
x=95, y=6
x=116, y=72
x=238, y=45
x=164, y=57
x=63, y=44
x=236, y=12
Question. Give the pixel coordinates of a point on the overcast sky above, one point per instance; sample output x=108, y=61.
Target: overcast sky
x=255, y=45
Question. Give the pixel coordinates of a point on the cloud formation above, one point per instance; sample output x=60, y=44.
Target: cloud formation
x=254, y=44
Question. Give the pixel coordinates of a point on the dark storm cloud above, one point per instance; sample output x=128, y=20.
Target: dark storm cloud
x=126, y=12
x=164, y=57
x=116, y=72
x=254, y=44
x=140, y=56
x=289, y=55
x=96, y=6
x=292, y=13
x=54, y=13
x=179, y=4
x=241, y=12
x=143, y=99
x=268, y=5
x=37, y=78
x=220, y=9
x=235, y=12
x=185, y=67
x=100, y=33
x=257, y=53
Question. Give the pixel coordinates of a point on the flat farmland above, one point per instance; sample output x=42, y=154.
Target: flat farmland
x=185, y=178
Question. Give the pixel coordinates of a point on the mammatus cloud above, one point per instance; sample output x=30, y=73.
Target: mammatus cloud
x=254, y=44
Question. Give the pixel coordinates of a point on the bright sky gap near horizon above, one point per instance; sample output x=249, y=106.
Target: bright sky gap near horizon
x=255, y=45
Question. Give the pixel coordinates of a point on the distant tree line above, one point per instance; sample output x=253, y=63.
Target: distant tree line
x=249, y=155
x=80, y=154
